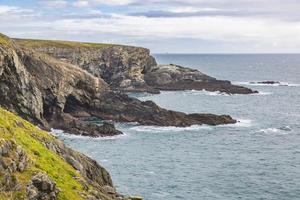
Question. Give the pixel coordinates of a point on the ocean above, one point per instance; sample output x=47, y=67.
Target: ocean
x=257, y=158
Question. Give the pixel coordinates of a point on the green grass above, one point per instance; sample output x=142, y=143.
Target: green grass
x=4, y=40
x=41, y=159
x=58, y=43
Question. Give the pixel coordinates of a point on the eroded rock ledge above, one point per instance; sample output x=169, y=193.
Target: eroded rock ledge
x=56, y=94
x=131, y=69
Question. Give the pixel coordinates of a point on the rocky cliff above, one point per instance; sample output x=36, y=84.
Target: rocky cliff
x=56, y=94
x=35, y=165
x=129, y=68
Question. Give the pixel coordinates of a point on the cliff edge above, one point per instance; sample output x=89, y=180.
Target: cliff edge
x=131, y=69
x=52, y=93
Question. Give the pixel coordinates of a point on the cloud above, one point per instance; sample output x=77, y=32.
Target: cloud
x=91, y=3
x=4, y=9
x=90, y=14
x=54, y=3
x=193, y=13
x=287, y=10
x=177, y=26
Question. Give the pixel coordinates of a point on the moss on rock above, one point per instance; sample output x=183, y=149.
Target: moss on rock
x=20, y=136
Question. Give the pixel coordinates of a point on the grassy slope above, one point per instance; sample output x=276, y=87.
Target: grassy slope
x=58, y=43
x=28, y=137
x=4, y=40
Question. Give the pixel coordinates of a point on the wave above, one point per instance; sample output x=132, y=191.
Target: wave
x=261, y=93
x=281, y=130
x=159, y=129
x=61, y=134
x=275, y=84
x=240, y=123
x=209, y=93
x=218, y=93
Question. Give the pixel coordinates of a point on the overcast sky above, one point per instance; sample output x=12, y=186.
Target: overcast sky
x=174, y=26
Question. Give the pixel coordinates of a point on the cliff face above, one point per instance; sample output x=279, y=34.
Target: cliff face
x=35, y=165
x=128, y=68
x=57, y=94
x=37, y=87
x=122, y=67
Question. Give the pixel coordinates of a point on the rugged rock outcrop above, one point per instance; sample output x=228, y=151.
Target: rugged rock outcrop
x=12, y=159
x=41, y=187
x=267, y=82
x=122, y=67
x=129, y=68
x=175, y=77
x=125, y=109
x=55, y=94
x=35, y=165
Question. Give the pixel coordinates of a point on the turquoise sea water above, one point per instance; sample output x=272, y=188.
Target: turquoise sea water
x=257, y=158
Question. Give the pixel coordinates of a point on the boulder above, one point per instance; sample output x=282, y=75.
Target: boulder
x=41, y=187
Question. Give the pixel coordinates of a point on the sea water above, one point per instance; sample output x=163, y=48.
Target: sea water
x=257, y=158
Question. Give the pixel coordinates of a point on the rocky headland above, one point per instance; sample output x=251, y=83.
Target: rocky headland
x=133, y=69
x=55, y=84
x=52, y=93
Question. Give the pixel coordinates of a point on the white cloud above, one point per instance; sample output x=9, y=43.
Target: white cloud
x=6, y=9
x=12, y=9
x=91, y=3
x=211, y=28
x=54, y=3
x=81, y=4
x=265, y=33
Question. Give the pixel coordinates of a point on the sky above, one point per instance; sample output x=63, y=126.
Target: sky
x=163, y=26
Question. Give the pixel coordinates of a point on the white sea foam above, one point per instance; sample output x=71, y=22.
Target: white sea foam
x=61, y=133
x=282, y=130
x=240, y=123
x=262, y=93
x=159, y=129
x=256, y=83
x=209, y=93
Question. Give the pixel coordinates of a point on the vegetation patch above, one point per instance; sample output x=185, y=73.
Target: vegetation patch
x=58, y=43
x=4, y=40
x=41, y=159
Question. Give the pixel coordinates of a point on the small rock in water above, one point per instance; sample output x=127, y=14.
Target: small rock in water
x=269, y=82
x=285, y=128
x=136, y=198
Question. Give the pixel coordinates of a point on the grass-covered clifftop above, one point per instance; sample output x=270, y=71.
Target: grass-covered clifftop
x=26, y=152
x=59, y=43
x=4, y=40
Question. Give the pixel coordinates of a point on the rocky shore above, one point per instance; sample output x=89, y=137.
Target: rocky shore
x=35, y=165
x=131, y=69
x=55, y=84
x=53, y=93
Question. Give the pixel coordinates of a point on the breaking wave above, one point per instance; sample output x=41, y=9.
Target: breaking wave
x=62, y=134
x=159, y=129
x=280, y=130
x=275, y=84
